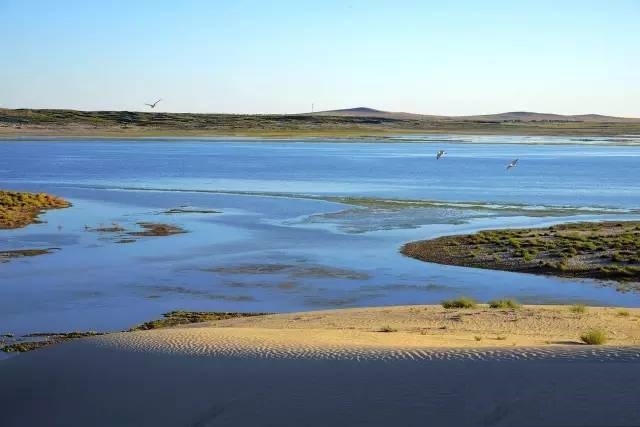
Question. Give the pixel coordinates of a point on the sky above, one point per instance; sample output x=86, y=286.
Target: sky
x=280, y=56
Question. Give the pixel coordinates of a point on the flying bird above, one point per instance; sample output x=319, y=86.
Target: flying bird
x=440, y=154
x=154, y=104
x=513, y=164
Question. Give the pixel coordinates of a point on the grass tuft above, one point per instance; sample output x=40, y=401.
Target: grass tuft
x=578, y=308
x=387, y=329
x=594, y=337
x=504, y=303
x=462, y=302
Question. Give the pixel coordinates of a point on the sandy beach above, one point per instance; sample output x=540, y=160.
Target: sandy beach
x=338, y=367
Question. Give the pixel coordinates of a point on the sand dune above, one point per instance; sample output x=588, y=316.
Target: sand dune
x=336, y=368
x=393, y=332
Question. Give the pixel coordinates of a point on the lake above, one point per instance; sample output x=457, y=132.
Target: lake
x=290, y=225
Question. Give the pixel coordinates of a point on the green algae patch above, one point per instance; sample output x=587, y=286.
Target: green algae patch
x=597, y=250
x=19, y=209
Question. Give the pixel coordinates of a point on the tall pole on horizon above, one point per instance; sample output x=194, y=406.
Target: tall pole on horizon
x=312, y=105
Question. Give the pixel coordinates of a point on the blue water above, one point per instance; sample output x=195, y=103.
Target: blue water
x=279, y=243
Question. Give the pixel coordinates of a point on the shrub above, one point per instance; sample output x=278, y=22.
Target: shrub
x=623, y=313
x=594, y=337
x=477, y=338
x=504, y=303
x=387, y=329
x=578, y=308
x=462, y=302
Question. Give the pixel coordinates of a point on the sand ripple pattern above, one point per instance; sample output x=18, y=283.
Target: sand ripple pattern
x=230, y=344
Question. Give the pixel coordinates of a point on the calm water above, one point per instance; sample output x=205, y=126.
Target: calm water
x=279, y=241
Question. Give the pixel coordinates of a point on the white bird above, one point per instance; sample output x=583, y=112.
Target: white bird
x=513, y=164
x=154, y=104
x=440, y=154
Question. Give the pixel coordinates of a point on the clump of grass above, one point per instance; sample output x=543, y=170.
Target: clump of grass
x=594, y=337
x=578, y=308
x=477, y=338
x=501, y=337
x=462, y=302
x=623, y=313
x=504, y=303
x=387, y=329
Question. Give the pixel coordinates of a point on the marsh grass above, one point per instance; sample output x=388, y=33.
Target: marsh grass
x=18, y=209
x=462, y=302
x=604, y=250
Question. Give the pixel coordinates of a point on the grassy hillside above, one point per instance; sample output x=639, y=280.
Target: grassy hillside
x=343, y=123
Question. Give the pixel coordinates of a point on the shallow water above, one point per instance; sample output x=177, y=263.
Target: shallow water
x=291, y=232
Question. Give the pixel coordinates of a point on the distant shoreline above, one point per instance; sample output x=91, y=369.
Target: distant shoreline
x=381, y=138
x=370, y=124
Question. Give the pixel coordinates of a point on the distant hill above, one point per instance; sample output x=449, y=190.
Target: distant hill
x=514, y=116
x=526, y=116
x=372, y=112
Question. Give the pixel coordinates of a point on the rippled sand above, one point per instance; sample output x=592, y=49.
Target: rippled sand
x=412, y=332
x=336, y=368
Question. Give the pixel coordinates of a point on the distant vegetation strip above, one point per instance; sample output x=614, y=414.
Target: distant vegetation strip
x=606, y=250
x=341, y=123
x=18, y=209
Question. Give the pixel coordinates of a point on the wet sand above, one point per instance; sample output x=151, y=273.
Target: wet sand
x=332, y=369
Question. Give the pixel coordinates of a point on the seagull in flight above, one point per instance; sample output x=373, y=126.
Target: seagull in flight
x=154, y=104
x=513, y=164
x=440, y=154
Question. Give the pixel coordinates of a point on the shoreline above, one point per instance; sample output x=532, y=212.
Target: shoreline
x=336, y=137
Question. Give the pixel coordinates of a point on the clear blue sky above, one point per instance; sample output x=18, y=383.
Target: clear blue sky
x=453, y=57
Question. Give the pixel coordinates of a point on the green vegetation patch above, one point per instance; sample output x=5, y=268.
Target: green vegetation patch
x=578, y=308
x=598, y=250
x=594, y=337
x=504, y=303
x=18, y=209
x=38, y=340
x=462, y=302
x=175, y=318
